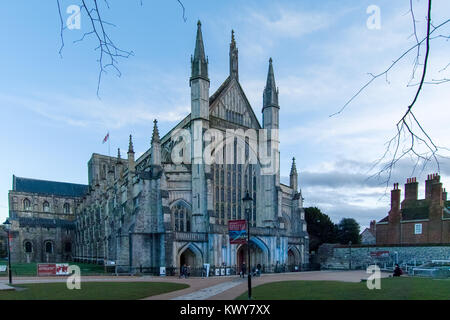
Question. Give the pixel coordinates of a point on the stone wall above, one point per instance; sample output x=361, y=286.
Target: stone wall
x=332, y=256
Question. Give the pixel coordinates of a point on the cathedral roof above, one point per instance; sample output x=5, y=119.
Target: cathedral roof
x=62, y=189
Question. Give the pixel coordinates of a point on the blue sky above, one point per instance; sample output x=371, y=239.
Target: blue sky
x=52, y=120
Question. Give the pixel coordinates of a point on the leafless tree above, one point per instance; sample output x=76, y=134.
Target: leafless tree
x=411, y=138
x=108, y=52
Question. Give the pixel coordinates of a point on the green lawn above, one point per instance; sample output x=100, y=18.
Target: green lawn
x=391, y=289
x=30, y=269
x=91, y=291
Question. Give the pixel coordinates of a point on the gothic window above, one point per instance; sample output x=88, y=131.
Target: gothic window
x=182, y=216
x=26, y=205
x=28, y=247
x=66, y=208
x=46, y=206
x=49, y=247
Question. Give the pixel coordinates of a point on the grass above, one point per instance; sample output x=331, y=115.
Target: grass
x=391, y=289
x=30, y=269
x=91, y=291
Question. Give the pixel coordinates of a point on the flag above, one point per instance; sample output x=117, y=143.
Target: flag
x=106, y=138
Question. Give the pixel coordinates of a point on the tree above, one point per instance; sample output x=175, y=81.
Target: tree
x=348, y=230
x=320, y=228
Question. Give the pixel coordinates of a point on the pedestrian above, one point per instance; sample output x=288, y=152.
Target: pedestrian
x=204, y=271
x=397, y=271
x=243, y=270
x=188, y=271
x=258, y=269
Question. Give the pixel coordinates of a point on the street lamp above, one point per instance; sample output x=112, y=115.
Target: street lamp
x=7, y=225
x=247, y=204
x=350, y=261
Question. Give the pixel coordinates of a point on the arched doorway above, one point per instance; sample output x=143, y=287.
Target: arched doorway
x=192, y=256
x=258, y=255
x=188, y=258
x=293, y=259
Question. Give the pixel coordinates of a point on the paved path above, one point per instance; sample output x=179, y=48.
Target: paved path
x=208, y=292
x=5, y=287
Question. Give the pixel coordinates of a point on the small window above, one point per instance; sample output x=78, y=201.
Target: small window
x=28, y=247
x=48, y=247
x=26, y=205
x=68, y=247
x=46, y=206
x=418, y=228
x=66, y=208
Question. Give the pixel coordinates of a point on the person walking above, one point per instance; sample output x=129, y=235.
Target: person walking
x=243, y=270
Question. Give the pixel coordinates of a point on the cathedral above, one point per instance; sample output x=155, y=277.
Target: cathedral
x=171, y=206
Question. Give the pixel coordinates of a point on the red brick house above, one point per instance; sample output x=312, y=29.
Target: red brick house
x=416, y=221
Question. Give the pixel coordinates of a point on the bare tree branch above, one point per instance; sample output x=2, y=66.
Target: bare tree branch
x=109, y=53
x=411, y=139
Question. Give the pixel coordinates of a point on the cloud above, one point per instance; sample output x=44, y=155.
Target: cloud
x=115, y=110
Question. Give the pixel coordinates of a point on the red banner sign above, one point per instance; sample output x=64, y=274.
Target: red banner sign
x=237, y=229
x=379, y=254
x=52, y=269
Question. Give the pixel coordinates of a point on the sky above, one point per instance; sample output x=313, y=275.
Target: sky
x=52, y=119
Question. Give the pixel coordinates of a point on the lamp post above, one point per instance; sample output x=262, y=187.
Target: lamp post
x=247, y=203
x=7, y=225
x=350, y=261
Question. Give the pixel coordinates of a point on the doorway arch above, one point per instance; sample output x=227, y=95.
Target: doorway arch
x=190, y=255
x=293, y=256
x=259, y=254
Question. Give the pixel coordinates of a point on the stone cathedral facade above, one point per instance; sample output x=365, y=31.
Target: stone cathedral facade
x=160, y=211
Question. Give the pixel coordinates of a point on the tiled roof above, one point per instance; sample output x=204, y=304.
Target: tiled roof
x=49, y=187
x=46, y=223
x=385, y=219
x=415, y=213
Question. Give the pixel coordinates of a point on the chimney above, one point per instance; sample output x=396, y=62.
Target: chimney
x=444, y=195
x=436, y=188
x=395, y=198
x=373, y=226
x=428, y=185
x=411, y=189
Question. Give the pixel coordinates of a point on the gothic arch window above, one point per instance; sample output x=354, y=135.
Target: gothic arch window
x=66, y=208
x=26, y=204
x=46, y=206
x=28, y=247
x=182, y=216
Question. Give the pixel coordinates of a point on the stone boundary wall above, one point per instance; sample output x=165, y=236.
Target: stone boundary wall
x=334, y=256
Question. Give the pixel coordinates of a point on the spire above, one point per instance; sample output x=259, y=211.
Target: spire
x=155, y=157
x=293, y=168
x=155, y=136
x=130, y=145
x=234, y=66
x=270, y=97
x=293, y=177
x=199, y=62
